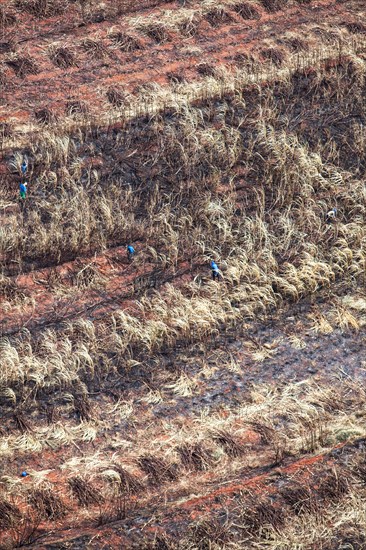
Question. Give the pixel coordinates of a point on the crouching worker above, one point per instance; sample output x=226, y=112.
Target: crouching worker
x=130, y=253
x=331, y=215
x=24, y=167
x=215, y=271
x=23, y=191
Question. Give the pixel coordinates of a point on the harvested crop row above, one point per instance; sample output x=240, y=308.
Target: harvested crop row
x=125, y=68
x=96, y=478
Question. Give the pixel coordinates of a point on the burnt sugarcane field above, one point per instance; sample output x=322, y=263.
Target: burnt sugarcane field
x=183, y=274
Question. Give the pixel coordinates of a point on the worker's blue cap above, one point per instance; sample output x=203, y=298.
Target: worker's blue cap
x=24, y=474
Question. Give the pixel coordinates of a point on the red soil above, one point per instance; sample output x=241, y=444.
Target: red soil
x=120, y=282
x=88, y=81
x=194, y=509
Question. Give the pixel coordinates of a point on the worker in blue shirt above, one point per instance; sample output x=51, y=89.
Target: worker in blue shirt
x=130, y=252
x=215, y=271
x=23, y=190
x=24, y=167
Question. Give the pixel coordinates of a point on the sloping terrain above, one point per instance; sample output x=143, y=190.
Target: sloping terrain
x=102, y=61
x=150, y=406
